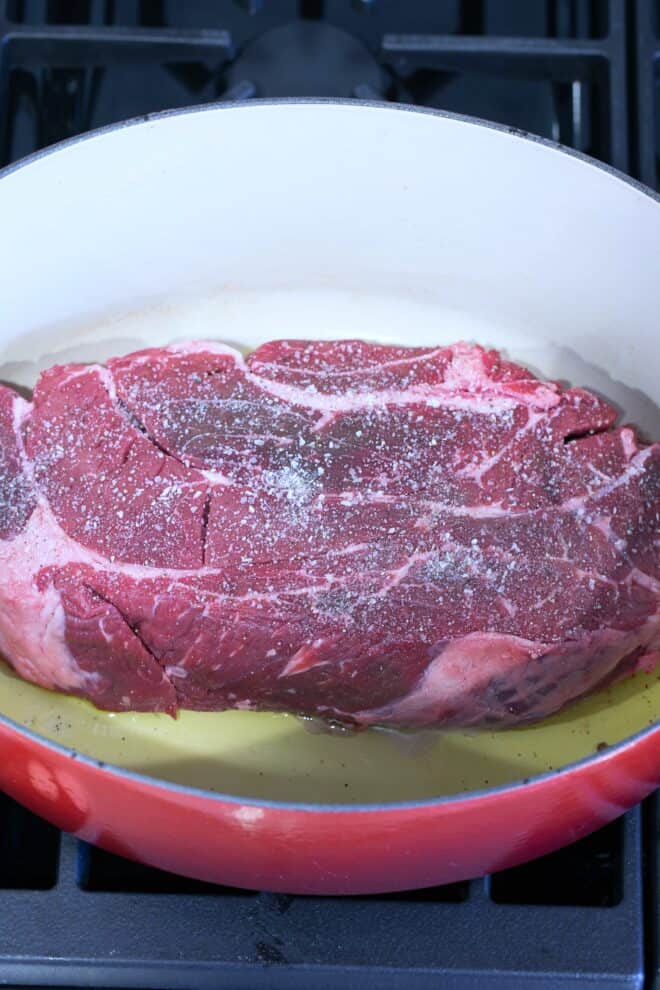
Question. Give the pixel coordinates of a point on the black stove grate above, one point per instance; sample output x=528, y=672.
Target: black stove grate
x=648, y=90
x=584, y=72
x=560, y=68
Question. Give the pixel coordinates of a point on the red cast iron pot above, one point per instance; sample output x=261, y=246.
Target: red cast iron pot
x=333, y=218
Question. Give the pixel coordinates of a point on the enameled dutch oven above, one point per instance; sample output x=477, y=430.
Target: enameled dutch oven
x=248, y=222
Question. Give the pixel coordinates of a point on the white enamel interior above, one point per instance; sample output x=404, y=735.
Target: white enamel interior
x=315, y=220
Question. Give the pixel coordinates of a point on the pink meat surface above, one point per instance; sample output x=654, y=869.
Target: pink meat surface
x=366, y=533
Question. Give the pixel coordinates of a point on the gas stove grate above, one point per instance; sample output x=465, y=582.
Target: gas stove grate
x=560, y=68
x=648, y=91
x=77, y=915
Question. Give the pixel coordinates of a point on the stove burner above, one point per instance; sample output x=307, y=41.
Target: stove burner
x=308, y=58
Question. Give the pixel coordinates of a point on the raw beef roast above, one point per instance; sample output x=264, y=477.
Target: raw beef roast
x=372, y=534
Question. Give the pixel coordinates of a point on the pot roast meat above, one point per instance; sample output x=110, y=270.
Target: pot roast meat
x=365, y=533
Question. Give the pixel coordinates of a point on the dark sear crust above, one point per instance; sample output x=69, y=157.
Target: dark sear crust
x=370, y=534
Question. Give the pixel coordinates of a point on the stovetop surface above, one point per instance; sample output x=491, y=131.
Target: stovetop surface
x=583, y=72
